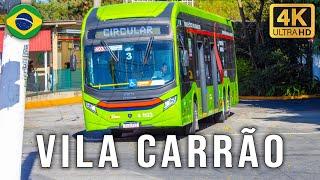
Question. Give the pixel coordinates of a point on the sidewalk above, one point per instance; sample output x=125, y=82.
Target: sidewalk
x=75, y=97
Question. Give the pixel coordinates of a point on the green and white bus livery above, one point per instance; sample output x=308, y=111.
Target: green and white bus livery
x=156, y=65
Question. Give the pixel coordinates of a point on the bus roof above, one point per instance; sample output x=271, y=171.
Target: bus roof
x=153, y=9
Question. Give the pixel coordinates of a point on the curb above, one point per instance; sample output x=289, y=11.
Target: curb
x=53, y=102
x=282, y=98
x=78, y=100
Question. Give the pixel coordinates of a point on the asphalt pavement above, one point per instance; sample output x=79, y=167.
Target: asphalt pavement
x=298, y=123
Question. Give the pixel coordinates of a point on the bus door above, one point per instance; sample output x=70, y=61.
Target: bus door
x=214, y=76
x=201, y=66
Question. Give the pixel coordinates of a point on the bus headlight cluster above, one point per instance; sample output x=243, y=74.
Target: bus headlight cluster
x=169, y=102
x=91, y=107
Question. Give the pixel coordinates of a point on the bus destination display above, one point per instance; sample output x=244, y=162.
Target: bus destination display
x=129, y=31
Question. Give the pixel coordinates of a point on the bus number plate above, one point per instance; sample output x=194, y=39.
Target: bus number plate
x=131, y=125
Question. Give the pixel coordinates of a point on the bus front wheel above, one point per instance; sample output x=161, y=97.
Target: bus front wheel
x=194, y=126
x=116, y=133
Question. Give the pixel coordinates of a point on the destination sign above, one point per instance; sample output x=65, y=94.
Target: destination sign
x=191, y=25
x=129, y=31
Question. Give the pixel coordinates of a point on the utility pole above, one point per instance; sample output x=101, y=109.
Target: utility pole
x=13, y=66
x=26, y=1
x=96, y=3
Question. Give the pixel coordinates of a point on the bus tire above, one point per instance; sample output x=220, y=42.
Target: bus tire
x=194, y=126
x=221, y=117
x=116, y=133
x=228, y=112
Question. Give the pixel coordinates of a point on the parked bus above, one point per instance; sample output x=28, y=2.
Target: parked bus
x=156, y=65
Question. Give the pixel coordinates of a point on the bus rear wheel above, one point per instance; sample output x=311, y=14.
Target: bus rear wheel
x=221, y=117
x=228, y=111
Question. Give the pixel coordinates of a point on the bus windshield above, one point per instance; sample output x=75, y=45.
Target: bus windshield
x=136, y=65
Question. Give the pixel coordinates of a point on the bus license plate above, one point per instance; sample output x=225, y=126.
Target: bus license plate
x=131, y=125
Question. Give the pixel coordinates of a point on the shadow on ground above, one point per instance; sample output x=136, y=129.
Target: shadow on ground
x=296, y=111
x=289, y=105
x=26, y=167
x=132, y=136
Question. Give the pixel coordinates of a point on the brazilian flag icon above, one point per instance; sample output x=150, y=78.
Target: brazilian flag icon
x=24, y=21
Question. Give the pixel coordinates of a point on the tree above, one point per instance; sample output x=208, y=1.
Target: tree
x=277, y=65
x=67, y=9
x=53, y=10
x=225, y=8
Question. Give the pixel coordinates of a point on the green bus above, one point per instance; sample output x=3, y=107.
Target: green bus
x=156, y=65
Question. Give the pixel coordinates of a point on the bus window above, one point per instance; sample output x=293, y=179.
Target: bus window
x=190, y=47
x=230, y=60
x=190, y=53
x=103, y=72
x=207, y=60
x=184, y=62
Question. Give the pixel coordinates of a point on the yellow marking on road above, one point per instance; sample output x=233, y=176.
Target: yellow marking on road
x=53, y=102
x=227, y=128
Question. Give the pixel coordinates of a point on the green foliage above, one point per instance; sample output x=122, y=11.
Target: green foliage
x=225, y=8
x=67, y=9
x=229, y=8
x=52, y=10
x=279, y=70
x=279, y=66
x=251, y=9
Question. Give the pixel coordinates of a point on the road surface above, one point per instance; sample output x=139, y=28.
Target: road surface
x=298, y=122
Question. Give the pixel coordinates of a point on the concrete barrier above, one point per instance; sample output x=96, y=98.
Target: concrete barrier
x=53, y=99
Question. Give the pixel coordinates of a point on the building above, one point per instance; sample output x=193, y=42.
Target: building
x=50, y=51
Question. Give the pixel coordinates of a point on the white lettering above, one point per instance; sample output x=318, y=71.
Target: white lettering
x=65, y=151
x=268, y=149
x=45, y=158
x=248, y=142
x=171, y=144
x=108, y=143
x=80, y=161
x=192, y=151
x=141, y=151
x=218, y=150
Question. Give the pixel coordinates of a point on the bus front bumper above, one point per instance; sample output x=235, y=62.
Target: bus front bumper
x=152, y=118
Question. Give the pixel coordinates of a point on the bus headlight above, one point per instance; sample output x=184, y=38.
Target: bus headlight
x=169, y=102
x=91, y=107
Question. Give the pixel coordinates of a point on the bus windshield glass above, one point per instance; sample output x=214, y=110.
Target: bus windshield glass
x=136, y=65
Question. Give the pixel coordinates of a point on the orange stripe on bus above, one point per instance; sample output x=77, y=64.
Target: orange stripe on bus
x=129, y=104
x=207, y=33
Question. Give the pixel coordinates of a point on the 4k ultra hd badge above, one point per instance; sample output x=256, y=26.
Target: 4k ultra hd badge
x=292, y=20
x=24, y=21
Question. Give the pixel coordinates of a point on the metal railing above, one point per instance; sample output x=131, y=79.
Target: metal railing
x=57, y=81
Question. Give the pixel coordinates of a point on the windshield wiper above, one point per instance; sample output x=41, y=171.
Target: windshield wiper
x=105, y=45
x=148, y=50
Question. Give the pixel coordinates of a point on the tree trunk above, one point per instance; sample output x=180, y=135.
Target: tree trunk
x=258, y=23
x=245, y=32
